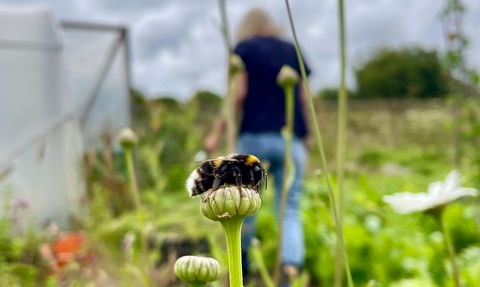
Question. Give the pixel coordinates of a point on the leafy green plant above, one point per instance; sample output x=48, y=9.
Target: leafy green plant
x=20, y=261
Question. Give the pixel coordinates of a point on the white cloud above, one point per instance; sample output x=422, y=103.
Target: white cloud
x=177, y=47
x=165, y=28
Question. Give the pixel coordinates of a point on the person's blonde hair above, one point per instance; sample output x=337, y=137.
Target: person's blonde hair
x=257, y=22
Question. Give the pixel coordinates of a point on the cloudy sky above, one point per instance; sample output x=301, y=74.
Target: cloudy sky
x=177, y=47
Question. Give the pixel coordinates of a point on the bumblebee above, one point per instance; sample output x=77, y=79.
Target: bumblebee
x=242, y=170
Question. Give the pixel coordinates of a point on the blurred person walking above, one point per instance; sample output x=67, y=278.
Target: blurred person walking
x=261, y=104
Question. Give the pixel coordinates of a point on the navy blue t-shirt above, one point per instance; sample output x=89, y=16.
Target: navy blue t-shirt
x=264, y=105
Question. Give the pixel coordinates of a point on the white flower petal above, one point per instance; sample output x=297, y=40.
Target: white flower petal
x=407, y=202
x=435, y=188
x=439, y=193
x=464, y=191
x=452, y=181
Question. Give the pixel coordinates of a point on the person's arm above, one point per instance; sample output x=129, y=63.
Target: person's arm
x=240, y=94
x=212, y=140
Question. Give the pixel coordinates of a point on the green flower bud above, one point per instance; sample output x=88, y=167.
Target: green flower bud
x=197, y=269
x=236, y=64
x=287, y=77
x=128, y=138
x=229, y=201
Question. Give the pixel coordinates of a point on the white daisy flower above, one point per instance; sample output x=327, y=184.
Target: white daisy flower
x=439, y=193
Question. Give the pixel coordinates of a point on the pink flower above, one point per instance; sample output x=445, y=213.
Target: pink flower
x=23, y=202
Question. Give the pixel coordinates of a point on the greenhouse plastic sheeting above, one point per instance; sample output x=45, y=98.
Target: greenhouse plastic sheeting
x=91, y=53
x=40, y=140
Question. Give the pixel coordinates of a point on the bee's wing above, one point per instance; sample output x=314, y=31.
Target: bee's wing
x=204, y=161
x=211, y=160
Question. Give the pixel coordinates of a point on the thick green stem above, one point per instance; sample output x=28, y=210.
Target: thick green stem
x=341, y=143
x=233, y=227
x=196, y=284
x=287, y=174
x=133, y=178
x=319, y=143
x=451, y=251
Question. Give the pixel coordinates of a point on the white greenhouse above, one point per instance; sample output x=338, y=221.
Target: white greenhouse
x=62, y=85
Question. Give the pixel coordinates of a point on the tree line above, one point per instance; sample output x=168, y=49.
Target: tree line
x=410, y=72
x=397, y=73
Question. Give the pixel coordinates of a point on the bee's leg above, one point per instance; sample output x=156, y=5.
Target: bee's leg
x=266, y=180
x=238, y=178
x=216, y=184
x=252, y=179
x=238, y=181
x=207, y=194
x=222, y=172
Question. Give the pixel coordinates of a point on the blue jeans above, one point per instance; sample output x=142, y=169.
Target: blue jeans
x=271, y=147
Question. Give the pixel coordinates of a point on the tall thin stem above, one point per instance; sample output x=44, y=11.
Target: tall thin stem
x=451, y=251
x=262, y=268
x=232, y=227
x=133, y=178
x=341, y=142
x=225, y=31
x=229, y=107
x=229, y=112
x=287, y=172
x=319, y=143
x=477, y=216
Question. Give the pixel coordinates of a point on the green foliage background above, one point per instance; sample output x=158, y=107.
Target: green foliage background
x=392, y=249
x=393, y=146
x=409, y=72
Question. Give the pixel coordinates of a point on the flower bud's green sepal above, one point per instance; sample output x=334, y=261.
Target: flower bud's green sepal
x=230, y=201
x=236, y=64
x=287, y=77
x=128, y=138
x=197, y=269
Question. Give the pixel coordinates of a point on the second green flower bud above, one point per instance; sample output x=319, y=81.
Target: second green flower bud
x=197, y=269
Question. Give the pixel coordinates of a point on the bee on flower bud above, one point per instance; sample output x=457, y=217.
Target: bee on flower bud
x=241, y=170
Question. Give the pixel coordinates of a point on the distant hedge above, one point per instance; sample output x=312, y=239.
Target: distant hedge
x=408, y=72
